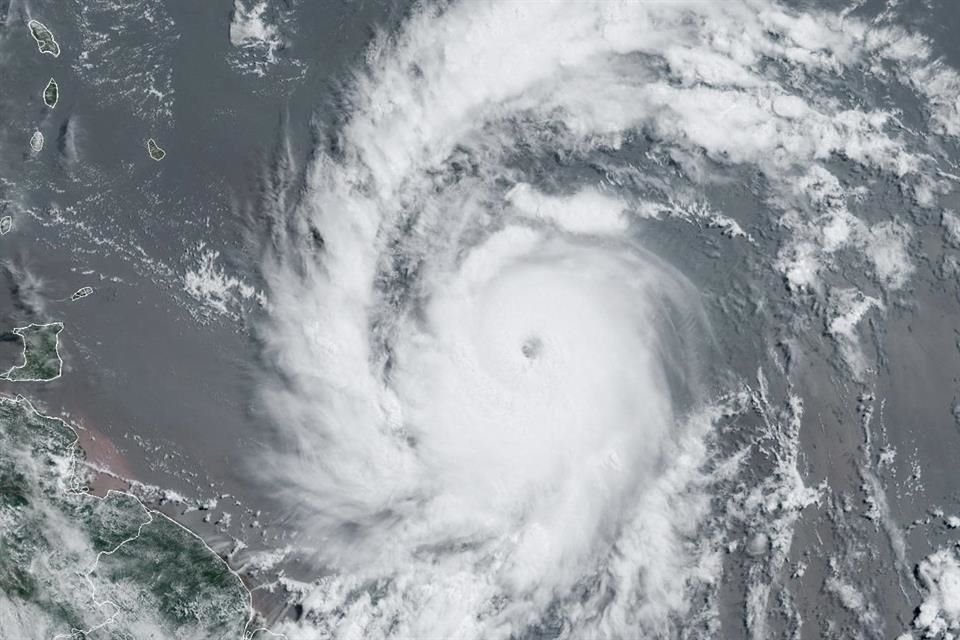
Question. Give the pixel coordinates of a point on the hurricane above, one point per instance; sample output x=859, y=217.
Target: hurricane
x=500, y=405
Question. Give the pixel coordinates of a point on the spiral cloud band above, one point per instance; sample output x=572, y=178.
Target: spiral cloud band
x=487, y=386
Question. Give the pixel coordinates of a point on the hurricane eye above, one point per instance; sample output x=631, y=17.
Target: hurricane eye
x=532, y=348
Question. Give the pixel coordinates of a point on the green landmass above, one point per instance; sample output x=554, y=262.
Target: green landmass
x=51, y=93
x=41, y=355
x=74, y=565
x=155, y=151
x=44, y=37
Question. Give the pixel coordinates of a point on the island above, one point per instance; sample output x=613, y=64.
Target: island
x=81, y=293
x=77, y=565
x=51, y=93
x=41, y=354
x=44, y=38
x=36, y=142
x=154, y=150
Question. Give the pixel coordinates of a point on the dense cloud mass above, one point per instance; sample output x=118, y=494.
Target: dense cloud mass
x=496, y=399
